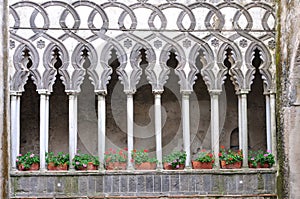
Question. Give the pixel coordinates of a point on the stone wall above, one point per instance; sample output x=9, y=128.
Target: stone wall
x=289, y=98
x=214, y=184
x=4, y=101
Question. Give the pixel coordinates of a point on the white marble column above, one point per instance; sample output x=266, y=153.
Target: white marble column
x=244, y=127
x=268, y=124
x=158, y=128
x=273, y=124
x=240, y=123
x=186, y=126
x=129, y=128
x=215, y=126
x=101, y=128
x=44, y=127
x=15, y=99
x=72, y=126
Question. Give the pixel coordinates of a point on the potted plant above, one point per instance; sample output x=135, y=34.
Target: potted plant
x=230, y=159
x=115, y=159
x=28, y=162
x=85, y=162
x=57, y=162
x=260, y=159
x=175, y=160
x=142, y=161
x=204, y=160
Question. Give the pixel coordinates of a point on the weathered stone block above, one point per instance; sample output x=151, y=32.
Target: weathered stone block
x=157, y=183
x=165, y=183
x=116, y=184
x=132, y=183
x=141, y=184
x=149, y=183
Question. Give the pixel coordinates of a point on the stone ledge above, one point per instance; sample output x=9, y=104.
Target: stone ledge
x=143, y=172
x=139, y=184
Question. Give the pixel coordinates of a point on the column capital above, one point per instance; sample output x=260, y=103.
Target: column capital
x=72, y=92
x=103, y=93
x=215, y=92
x=15, y=93
x=241, y=92
x=129, y=92
x=157, y=92
x=44, y=92
x=185, y=92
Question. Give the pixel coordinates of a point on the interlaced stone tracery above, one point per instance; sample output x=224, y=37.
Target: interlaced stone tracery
x=215, y=30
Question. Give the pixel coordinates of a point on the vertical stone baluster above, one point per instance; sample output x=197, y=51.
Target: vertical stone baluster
x=15, y=99
x=215, y=129
x=72, y=126
x=186, y=126
x=240, y=123
x=273, y=123
x=268, y=123
x=158, y=127
x=44, y=130
x=244, y=126
x=129, y=128
x=101, y=128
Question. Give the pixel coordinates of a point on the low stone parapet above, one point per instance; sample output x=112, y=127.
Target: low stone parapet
x=241, y=183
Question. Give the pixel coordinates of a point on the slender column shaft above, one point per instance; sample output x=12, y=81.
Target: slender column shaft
x=15, y=128
x=268, y=123
x=273, y=124
x=47, y=124
x=240, y=122
x=129, y=128
x=215, y=129
x=44, y=130
x=158, y=127
x=101, y=129
x=72, y=126
x=244, y=128
x=186, y=127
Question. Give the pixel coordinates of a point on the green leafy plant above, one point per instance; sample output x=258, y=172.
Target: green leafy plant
x=205, y=156
x=230, y=156
x=82, y=160
x=58, y=159
x=140, y=156
x=113, y=155
x=175, y=159
x=27, y=160
x=261, y=157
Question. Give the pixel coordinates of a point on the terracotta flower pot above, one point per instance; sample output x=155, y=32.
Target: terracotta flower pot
x=51, y=166
x=145, y=166
x=235, y=165
x=168, y=166
x=62, y=167
x=250, y=165
x=266, y=165
x=116, y=166
x=91, y=166
x=21, y=167
x=202, y=165
x=34, y=167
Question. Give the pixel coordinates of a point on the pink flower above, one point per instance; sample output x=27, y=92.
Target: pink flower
x=77, y=163
x=32, y=155
x=269, y=151
x=17, y=160
x=84, y=165
x=177, y=166
x=252, y=158
x=266, y=155
x=20, y=155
